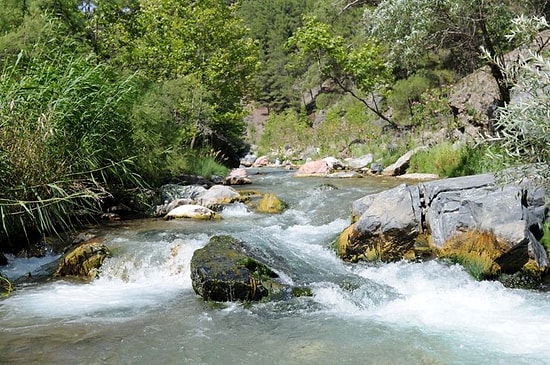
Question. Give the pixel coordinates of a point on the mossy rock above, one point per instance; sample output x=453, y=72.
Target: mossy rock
x=6, y=286
x=477, y=251
x=84, y=261
x=270, y=203
x=223, y=271
x=342, y=241
x=529, y=277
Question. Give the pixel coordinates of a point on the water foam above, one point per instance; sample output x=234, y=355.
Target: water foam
x=143, y=276
x=440, y=299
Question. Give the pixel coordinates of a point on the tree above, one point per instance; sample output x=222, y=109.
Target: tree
x=523, y=125
x=358, y=70
x=204, y=42
x=271, y=23
x=457, y=29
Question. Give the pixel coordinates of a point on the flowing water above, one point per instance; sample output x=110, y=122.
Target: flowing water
x=142, y=309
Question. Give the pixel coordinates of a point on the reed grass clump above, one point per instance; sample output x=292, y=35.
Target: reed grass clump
x=65, y=141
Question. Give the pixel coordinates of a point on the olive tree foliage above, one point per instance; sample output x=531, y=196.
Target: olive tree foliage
x=523, y=126
x=454, y=30
x=358, y=70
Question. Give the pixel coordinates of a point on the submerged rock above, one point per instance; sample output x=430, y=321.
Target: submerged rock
x=223, y=271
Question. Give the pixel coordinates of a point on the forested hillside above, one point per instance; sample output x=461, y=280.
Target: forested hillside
x=371, y=72
x=103, y=98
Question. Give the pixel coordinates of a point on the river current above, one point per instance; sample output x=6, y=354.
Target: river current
x=142, y=308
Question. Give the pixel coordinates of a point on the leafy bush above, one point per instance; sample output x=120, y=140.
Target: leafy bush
x=546, y=237
x=406, y=93
x=346, y=123
x=288, y=130
x=450, y=160
x=523, y=126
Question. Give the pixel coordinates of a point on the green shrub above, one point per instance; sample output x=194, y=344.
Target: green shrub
x=451, y=160
x=546, y=238
x=285, y=130
x=523, y=126
x=205, y=165
x=404, y=94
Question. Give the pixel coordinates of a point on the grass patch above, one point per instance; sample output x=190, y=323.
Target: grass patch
x=205, y=166
x=451, y=160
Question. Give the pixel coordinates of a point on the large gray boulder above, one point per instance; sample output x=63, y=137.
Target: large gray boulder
x=513, y=213
x=217, y=196
x=170, y=192
x=391, y=221
x=387, y=227
x=361, y=162
x=400, y=166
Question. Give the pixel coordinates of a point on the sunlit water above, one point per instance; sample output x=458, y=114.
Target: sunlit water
x=142, y=310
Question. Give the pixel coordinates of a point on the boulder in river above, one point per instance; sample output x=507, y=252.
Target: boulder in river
x=313, y=168
x=237, y=177
x=217, y=196
x=386, y=229
x=270, y=203
x=223, y=271
x=192, y=211
x=84, y=260
x=390, y=223
x=170, y=192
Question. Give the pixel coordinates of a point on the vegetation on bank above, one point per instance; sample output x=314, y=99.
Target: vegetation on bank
x=101, y=99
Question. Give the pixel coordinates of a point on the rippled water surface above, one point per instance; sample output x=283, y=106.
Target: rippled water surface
x=142, y=310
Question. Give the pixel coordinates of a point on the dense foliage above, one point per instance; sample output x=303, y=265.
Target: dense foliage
x=99, y=98
x=102, y=97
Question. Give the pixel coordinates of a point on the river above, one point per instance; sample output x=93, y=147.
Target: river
x=142, y=309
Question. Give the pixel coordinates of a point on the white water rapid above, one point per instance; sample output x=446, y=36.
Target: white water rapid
x=142, y=309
